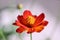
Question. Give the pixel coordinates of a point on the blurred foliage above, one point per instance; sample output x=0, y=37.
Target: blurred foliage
x=4, y=33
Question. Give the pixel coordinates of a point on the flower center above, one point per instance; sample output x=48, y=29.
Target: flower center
x=30, y=21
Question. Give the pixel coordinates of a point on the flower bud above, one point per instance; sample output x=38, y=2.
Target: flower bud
x=19, y=6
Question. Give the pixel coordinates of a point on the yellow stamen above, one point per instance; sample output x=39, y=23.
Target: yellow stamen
x=30, y=20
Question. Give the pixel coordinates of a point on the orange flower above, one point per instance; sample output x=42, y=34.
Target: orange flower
x=30, y=23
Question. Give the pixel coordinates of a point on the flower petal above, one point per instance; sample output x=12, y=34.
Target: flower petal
x=20, y=29
x=21, y=20
x=35, y=16
x=17, y=23
x=30, y=30
x=39, y=19
x=19, y=17
x=44, y=23
x=26, y=13
x=39, y=28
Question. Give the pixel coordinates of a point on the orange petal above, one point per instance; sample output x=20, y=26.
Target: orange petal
x=20, y=29
x=26, y=13
x=30, y=30
x=39, y=28
x=44, y=23
x=39, y=19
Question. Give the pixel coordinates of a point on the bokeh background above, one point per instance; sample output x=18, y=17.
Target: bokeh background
x=9, y=12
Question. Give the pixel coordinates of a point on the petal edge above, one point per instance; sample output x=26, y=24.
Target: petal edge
x=39, y=19
x=26, y=13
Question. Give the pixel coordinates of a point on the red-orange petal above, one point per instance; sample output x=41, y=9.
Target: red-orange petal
x=20, y=29
x=39, y=28
x=35, y=16
x=39, y=19
x=44, y=23
x=30, y=30
x=17, y=23
x=26, y=13
x=19, y=17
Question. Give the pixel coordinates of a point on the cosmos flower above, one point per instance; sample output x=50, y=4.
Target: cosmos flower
x=30, y=23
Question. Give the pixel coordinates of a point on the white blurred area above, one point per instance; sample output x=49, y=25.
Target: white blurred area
x=51, y=8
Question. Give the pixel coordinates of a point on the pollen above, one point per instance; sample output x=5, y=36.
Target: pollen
x=30, y=20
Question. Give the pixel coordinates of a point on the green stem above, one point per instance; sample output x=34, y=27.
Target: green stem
x=2, y=35
x=30, y=36
x=20, y=37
